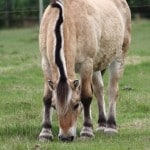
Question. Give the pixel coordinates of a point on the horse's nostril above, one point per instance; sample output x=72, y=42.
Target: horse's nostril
x=71, y=138
x=66, y=138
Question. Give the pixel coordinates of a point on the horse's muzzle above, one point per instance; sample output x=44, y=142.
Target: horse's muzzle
x=66, y=138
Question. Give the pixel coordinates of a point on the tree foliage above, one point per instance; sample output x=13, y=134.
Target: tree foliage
x=13, y=12
x=138, y=2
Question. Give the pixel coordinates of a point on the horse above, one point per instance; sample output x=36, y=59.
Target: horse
x=85, y=37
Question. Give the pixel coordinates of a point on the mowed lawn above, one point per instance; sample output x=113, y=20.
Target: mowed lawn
x=21, y=91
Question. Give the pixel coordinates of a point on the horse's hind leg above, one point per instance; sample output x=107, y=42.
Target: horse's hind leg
x=98, y=88
x=46, y=133
x=115, y=72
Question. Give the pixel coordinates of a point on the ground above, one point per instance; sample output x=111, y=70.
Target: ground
x=21, y=91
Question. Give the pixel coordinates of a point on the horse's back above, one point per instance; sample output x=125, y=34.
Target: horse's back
x=100, y=27
x=94, y=28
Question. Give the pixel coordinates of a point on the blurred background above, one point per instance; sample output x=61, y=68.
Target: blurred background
x=17, y=13
x=21, y=12
x=21, y=83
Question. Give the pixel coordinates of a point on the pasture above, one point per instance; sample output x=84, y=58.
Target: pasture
x=21, y=91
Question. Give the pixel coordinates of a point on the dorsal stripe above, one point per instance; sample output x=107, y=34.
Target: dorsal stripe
x=59, y=43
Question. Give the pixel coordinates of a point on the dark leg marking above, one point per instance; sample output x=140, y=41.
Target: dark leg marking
x=86, y=104
x=99, y=94
x=47, y=105
x=87, y=130
x=102, y=120
x=46, y=133
x=111, y=123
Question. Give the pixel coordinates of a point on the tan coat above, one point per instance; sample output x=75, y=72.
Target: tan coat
x=95, y=35
x=93, y=30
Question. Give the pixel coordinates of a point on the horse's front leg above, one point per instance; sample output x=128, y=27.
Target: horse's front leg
x=46, y=133
x=98, y=88
x=86, y=97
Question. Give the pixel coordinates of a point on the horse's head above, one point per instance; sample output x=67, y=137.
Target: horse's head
x=66, y=100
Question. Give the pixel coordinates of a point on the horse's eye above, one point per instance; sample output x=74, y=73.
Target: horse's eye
x=53, y=106
x=76, y=106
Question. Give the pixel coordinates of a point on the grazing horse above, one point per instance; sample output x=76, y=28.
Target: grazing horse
x=87, y=37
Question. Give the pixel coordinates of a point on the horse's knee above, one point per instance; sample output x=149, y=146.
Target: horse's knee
x=47, y=99
x=86, y=79
x=86, y=89
x=86, y=96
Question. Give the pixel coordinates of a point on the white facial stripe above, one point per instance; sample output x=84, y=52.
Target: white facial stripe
x=71, y=131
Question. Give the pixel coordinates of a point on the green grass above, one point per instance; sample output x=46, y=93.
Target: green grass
x=21, y=90
x=140, y=38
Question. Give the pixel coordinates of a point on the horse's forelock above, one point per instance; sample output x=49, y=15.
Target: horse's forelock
x=62, y=97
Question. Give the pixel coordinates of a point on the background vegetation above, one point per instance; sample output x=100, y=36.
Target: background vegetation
x=138, y=3
x=19, y=12
x=25, y=12
x=21, y=85
x=21, y=90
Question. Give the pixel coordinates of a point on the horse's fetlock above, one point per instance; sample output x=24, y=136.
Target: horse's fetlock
x=111, y=122
x=102, y=121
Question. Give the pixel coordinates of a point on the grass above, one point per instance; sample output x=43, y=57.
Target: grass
x=21, y=90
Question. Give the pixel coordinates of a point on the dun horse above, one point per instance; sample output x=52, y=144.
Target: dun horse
x=87, y=37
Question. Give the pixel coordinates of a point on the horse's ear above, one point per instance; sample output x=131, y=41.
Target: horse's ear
x=75, y=84
x=51, y=85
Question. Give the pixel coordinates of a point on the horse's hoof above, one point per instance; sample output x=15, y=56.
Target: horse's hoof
x=110, y=131
x=45, y=135
x=45, y=138
x=100, y=129
x=86, y=133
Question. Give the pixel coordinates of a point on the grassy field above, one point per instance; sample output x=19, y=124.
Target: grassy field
x=21, y=90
